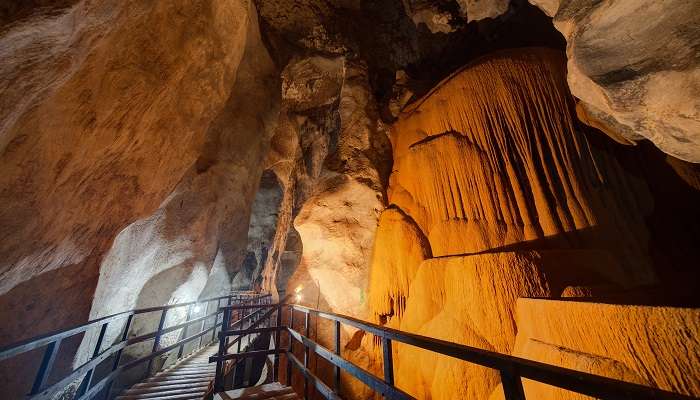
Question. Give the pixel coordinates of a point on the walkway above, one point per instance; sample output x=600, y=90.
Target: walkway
x=270, y=391
x=185, y=380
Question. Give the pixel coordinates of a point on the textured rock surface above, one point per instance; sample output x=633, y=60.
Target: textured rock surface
x=483, y=171
x=635, y=79
x=480, y=9
x=191, y=247
x=468, y=300
x=657, y=346
x=433, y=15
x=547, y=188
x=399, y=248
x=338, y=220
x=137, y=172
x=131, y=142
x=88, y=122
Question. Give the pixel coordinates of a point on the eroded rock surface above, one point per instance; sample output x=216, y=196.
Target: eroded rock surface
x=145, y=163
x=131, y=140
x=513, y=200
x=338, y=187
x=635, y=79
x=655, y=346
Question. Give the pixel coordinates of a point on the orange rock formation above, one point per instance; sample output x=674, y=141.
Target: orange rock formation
x=514, y=203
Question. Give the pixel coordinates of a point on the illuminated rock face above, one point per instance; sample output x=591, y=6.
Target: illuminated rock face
x=330, y=155
x=399, y=247
x=144, y=119
x=498, y=196
x=657, y=346
x=491, y=159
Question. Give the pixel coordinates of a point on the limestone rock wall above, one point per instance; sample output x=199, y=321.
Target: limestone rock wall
x=492, y=159
x=497, y=195
x=635, y=79
x=656, y=346
x=193, y=245
x=132, y=142
x=400, y=247
x=332, y=157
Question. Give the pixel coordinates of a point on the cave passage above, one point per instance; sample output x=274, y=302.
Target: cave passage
x=348, y=199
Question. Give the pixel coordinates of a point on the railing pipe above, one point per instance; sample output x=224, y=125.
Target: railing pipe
x=388, y=361
x=290, y=347
x=219, y=378
x=204, y=323
x=87, y=380
x=306, y=355
x=156, y=341
x=118, y=356
x=188, y=317
x=336, y=369
x=278, y=332
x=45, y=367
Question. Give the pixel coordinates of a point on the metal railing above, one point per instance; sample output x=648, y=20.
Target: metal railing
x=512, y=369
x=89, y=387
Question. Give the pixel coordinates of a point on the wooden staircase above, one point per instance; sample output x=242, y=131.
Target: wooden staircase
x=185, y=380
x=270, y=391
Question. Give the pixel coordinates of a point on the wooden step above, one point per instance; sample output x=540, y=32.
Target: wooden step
x=270, y=391
x=162, y=393
x=180, y=377
x=165, y=388
x=178, y=371
x=179, y=383
x=187, y=379
x=189, y=368
x=186, y=396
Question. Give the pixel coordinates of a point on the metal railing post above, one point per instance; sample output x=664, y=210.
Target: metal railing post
x=204, y=325
x=512, y=385
x=219, y=377
x=118, y=356
x=336, y=370
x=156, y=340
x=216, y=319
x=290, y=347
x=306, y=354
x=46, y=365
x=388, y=361
x=278, y=332
x=85, y=384
x=185, y=329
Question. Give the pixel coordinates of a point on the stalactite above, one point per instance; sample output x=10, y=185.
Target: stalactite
x=513, y=201
x=399, y=248
x=492, y=159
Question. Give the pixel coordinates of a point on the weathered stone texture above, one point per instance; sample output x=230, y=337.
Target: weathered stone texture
x=132, y=140
x=634, y=65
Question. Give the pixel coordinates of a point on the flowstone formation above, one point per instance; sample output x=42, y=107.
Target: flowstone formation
x=498, y=195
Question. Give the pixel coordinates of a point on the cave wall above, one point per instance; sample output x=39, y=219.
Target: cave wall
x=332, y=156
x=132, y=142
x=497, y=195
x=635, y=79
x=146, y=163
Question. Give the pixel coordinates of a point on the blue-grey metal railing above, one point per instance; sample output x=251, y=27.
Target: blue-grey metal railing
x=89, y=388
x=512, y=369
